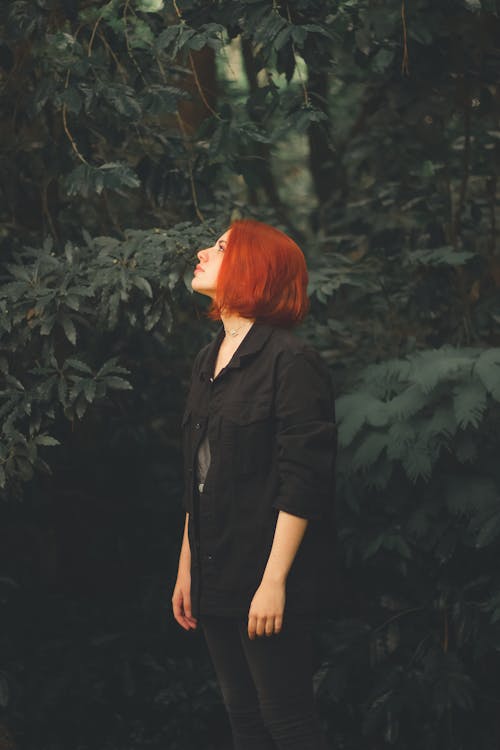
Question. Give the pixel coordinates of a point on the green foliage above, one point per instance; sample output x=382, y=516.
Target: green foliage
x=410, y=412
x=132, y=132
x=55, y=301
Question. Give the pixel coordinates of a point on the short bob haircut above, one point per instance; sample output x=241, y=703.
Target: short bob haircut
x=263, y=275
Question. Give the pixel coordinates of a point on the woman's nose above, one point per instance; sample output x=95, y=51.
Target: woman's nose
x=201, y=254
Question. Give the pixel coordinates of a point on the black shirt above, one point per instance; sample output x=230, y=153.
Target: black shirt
x=270, y=420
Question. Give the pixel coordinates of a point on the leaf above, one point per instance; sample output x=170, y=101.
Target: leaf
x=142, y=283
x=150, y=6
x=487, y=368
x=351, y=415
x=465, y=448
x=382, y=60
x=69, y=328
x=282, y=38
x=400, y=436
x=440, y=256
x=112, y=381
x=373, y=547
x=78, y=365
x=469, y=403
x=159, y=100
x=396, y=543
x=87, y=179
x=80, y=406
x=489, y=531
x=369, y=451
x=11, y=380
x=24, y=467
x=62, y=390
x=111, y=366
x=46, y=440
x=89, y=389
x=122, y=97
x=152, y=315
x=441, y=423
x=72, y=99
x=314, y=28
x=407, y=403
x=438, y=365
x=417, y=462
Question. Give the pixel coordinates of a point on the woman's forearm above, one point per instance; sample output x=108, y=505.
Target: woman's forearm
x=288, y=535
x=185, y=553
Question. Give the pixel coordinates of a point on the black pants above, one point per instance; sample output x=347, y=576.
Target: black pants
x=266, y=684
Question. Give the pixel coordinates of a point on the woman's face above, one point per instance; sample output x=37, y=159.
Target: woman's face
x=205, y=274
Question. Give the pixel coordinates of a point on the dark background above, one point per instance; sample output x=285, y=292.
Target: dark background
x=131, y=134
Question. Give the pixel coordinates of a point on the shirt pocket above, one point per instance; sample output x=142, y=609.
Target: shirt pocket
x=249, y=431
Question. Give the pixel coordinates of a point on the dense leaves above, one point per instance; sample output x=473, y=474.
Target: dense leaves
x=132, y=131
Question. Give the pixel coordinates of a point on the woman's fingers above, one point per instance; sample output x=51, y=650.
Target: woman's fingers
x=269, y=626
x=181, y=606
x=177, y=609
x=187, y=605
x=252, y=626
x=259, y=626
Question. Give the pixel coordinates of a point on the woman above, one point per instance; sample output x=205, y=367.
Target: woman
x=259, y=438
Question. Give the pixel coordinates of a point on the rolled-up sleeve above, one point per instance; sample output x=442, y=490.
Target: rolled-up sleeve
x=306, y=435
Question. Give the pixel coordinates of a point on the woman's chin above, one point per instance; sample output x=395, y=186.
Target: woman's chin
x=197, y=287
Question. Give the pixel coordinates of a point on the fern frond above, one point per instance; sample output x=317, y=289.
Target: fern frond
x=487, y=368
x=434, y=366
x=469, y=403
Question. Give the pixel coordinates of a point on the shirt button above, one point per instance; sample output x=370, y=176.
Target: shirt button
x=200, y=487
x=197, y=426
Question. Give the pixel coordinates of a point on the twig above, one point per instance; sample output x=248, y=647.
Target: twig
x=66, y=128
x=46, y=211
x=118, y=64
x=191, y=178
x=91, y=40
x=405, y=62
x=65, y=113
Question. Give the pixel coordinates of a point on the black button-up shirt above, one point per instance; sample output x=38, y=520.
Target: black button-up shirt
x=270, y=420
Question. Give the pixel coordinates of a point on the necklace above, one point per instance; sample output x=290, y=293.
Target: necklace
x=234, y=331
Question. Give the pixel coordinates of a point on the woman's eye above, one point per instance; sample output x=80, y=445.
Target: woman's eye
x=221, y=248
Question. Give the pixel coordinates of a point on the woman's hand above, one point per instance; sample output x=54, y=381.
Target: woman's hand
x=181, y=601
x=265, y=615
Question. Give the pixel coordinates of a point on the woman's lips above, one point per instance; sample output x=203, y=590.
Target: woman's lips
x=198, y=268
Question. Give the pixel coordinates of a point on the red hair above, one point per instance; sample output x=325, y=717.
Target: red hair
x=263, y=275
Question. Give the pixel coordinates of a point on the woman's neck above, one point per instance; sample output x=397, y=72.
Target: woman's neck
x=236, y=325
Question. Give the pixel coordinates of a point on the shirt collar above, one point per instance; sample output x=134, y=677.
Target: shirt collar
x=251, y=344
